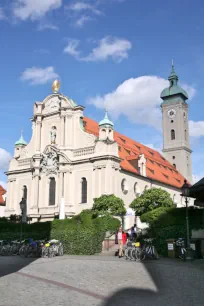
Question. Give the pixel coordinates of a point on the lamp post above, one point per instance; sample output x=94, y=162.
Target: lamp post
x=22, y=205
x=185, y=193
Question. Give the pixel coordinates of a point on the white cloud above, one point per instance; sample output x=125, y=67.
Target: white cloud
x=137, y=98
x=82, y=11
x=71, y=48
x=82, y=20
x=5, y=158
x=47, y=26
x=82, y=6
x=108, y=47
x=34, y=9
x=196, y=129
x=37, y=75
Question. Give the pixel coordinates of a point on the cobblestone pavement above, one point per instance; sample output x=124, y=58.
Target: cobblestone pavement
x=99, y=281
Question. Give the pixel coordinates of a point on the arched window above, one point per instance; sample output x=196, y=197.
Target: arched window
x=174, y=166
x=124, y=186
x=173, y=136
x=52, y=189
x=83, y=190
x=136, y=189
x=185, y=135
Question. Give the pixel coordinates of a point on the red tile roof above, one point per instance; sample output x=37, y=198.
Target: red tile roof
x=2, y=192
x=157, y=167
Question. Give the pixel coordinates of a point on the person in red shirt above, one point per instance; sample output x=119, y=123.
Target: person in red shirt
x=124, y=238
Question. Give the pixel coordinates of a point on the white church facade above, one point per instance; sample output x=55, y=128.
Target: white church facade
x=71, y=159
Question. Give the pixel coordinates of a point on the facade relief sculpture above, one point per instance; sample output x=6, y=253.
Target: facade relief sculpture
x=49, y=163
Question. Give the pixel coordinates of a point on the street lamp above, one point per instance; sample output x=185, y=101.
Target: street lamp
x=185, y=193
x=22, y=205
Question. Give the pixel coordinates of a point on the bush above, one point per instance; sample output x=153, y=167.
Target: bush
x=166, y=223
x=153, y=215
x=82, y=234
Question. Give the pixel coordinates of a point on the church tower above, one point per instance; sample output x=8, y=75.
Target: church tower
x=176, y=143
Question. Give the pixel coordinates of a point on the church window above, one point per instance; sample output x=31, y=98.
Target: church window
x=146, y=187
x=124, y=186
x=185, y=135
x=173, y=157
x=83, y=190
x=174, y=166
x=173, y=136
x=52, y=190
x=172, y=121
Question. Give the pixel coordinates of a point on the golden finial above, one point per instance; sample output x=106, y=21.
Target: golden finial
x=56, y=86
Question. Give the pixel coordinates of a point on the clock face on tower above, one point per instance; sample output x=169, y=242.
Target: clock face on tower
x=171, y=113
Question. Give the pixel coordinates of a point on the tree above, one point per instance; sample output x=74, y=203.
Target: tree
x=151, y=199
x=109, y=204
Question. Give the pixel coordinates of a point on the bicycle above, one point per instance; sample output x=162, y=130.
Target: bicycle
x=147, y=251
x=180, y=242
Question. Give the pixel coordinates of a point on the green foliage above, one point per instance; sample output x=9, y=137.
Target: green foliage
x=151, y=199
x=153, y=215
x=81, y=234
x=109, y=204
x=3, y=219
x=166, y=223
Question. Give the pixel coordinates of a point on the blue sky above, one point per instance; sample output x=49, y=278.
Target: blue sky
x=116, y=52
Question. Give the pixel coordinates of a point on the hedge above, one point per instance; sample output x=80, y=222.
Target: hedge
x=82, y=234
x=168, y=223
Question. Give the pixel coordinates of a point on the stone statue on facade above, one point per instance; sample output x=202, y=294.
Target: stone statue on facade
x=49, y=162
x=53, y=135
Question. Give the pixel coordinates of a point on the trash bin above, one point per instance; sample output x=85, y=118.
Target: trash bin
x=171, y=247
x=195, y=245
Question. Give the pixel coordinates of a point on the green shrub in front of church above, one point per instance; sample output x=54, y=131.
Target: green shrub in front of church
x=151, y=199
x=83, y=234
x=168, y=223
x=109, y=204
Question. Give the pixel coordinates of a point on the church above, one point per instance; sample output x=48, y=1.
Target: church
x=72, y=159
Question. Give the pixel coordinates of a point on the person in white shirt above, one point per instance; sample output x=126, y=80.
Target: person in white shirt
x=120, y=242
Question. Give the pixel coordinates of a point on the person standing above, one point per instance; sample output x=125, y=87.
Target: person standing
x=120, y=242
x=124, y=238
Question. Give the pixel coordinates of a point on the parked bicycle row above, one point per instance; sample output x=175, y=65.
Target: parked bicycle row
x=134, y=251
x=32, y=248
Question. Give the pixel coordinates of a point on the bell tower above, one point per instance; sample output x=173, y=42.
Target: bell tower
x=176, y=143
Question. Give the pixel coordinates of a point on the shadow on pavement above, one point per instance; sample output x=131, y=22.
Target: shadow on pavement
x=12, y=264
x=173, y=287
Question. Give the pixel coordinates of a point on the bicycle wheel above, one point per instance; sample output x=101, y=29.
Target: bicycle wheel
x=133, y=255
x=44, y=252
x=126, y=254
x=155, y=254
x=61, y=250
x=51, y=252
x=4, y=251
x=140, y=254
x=14, y=250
